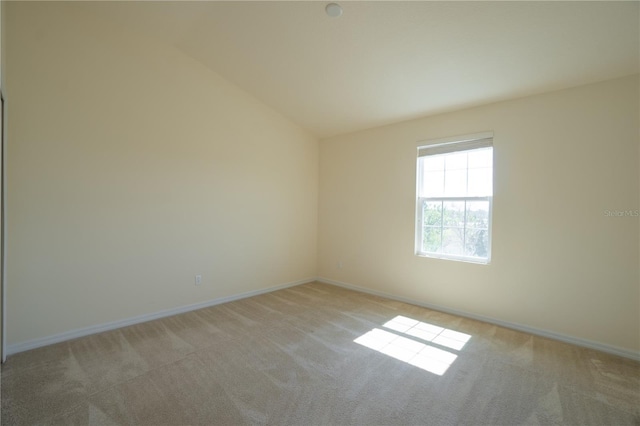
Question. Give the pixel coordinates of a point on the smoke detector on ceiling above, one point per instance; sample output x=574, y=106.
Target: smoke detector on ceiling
x=333, y=9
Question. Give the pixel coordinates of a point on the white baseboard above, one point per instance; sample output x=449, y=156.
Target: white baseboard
x=73, y=334
x=515, y=326
x=85, y=331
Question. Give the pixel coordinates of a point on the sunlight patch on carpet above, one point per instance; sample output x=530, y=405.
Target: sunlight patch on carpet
x=417, y=348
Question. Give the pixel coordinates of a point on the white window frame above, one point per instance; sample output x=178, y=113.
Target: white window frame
x=446, y=146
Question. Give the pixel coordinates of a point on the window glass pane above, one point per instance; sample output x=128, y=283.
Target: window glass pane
x=456, y=161
x=432, y=213
x=477, y=215
x=433, y=184
x=452, y=240
x=453, y=214
x=455, y=183
x=480, y=182
x=433, y=162
x=481, y=158
x=431, y=241
x=477, y=243
x=457, y=229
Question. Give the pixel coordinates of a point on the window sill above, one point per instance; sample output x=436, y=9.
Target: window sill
x=455, y=258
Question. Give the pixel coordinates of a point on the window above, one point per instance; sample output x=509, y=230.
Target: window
x=454, y=198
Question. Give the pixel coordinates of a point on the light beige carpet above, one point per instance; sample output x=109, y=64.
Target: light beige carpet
x=318, y=354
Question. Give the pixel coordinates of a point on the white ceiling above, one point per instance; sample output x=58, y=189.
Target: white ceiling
x=384, y=62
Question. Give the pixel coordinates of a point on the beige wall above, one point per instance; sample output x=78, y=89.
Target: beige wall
x=558, y=263
x=133, y=167
x=2, y=353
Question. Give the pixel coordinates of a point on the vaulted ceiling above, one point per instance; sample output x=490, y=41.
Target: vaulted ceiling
x=384, y=62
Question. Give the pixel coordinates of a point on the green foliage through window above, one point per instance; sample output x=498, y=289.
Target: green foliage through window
x=459, y=227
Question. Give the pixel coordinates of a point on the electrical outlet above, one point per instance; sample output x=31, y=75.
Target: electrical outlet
x=339, y=264
x=198, y=279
